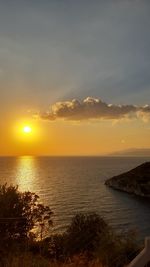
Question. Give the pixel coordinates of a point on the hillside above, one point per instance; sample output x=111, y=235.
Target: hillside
x=135, y=181
x=133, y=152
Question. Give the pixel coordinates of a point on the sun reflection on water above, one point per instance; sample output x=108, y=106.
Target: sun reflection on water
x=26, y=173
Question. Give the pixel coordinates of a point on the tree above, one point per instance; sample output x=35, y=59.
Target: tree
x=84, y=233
x=20, y=213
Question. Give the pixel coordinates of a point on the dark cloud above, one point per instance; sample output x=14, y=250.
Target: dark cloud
x=93, y=108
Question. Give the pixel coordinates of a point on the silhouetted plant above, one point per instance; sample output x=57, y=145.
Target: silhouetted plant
x=84, y=233
x=87, y=237
x=20, y=213
x=54, y=247
x=117, y=250
x=90, y=237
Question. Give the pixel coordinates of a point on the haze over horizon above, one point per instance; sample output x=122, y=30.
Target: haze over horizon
x=74, y=77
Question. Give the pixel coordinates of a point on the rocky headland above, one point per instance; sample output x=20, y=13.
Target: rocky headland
x=135, y=181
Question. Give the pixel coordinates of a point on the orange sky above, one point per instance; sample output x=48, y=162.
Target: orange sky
x=78, y=60
x=71, y=138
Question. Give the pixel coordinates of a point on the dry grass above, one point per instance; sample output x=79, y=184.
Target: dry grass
x=29, y=260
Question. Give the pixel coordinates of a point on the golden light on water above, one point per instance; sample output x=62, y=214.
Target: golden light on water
x=26, y=173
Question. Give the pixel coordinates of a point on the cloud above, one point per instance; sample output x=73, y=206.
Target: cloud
x=94, y=109
x=144, y=113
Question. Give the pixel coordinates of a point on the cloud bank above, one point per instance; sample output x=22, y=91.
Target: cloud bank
x=94, y=109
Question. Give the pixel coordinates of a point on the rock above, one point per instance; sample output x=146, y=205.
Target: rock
x=135, y=181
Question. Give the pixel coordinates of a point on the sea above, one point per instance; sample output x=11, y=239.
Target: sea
x=71, y=185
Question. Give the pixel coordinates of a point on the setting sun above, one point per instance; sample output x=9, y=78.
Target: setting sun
x=27, y=129
x=27, y=136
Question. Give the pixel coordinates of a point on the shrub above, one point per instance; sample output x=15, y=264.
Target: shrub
x=54, y=247
x=117, y=250
x=20, y=213
x=84, y=234
x=88, y=236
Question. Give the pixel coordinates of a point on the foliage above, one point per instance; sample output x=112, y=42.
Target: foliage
x=25, y=260
x=84, y=234
x=117, y=250
x=90, y=237
x=30, y=260
x=56, y=247
x=87, y=240
x=20, y=213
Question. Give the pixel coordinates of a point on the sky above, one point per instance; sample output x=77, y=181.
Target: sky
x=77, y=72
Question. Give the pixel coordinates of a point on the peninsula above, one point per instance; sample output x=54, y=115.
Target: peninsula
x=135, y=181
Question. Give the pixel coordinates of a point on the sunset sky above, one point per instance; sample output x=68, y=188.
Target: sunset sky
x=77, y=73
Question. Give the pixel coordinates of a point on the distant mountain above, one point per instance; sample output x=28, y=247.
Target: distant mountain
x=133, y=152
x=136, y=181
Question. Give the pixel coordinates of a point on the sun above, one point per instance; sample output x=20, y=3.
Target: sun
x=27, y=129
x=26, y=132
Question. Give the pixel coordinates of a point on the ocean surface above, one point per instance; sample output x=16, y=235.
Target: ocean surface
x=76, y=184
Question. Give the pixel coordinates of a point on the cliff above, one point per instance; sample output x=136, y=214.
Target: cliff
x=135, y=181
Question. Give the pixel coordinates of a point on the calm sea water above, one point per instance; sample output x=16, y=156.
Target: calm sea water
x=76, y=184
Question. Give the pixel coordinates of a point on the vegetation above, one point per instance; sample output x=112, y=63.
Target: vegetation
x=84, y=234
x=89, y=236
x=20, y=214
x=88, y=240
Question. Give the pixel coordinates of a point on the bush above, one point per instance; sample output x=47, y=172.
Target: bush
x=54, y=247
x=90, y=237
x=84, y=234
x=117, y=250
x=20, y=213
